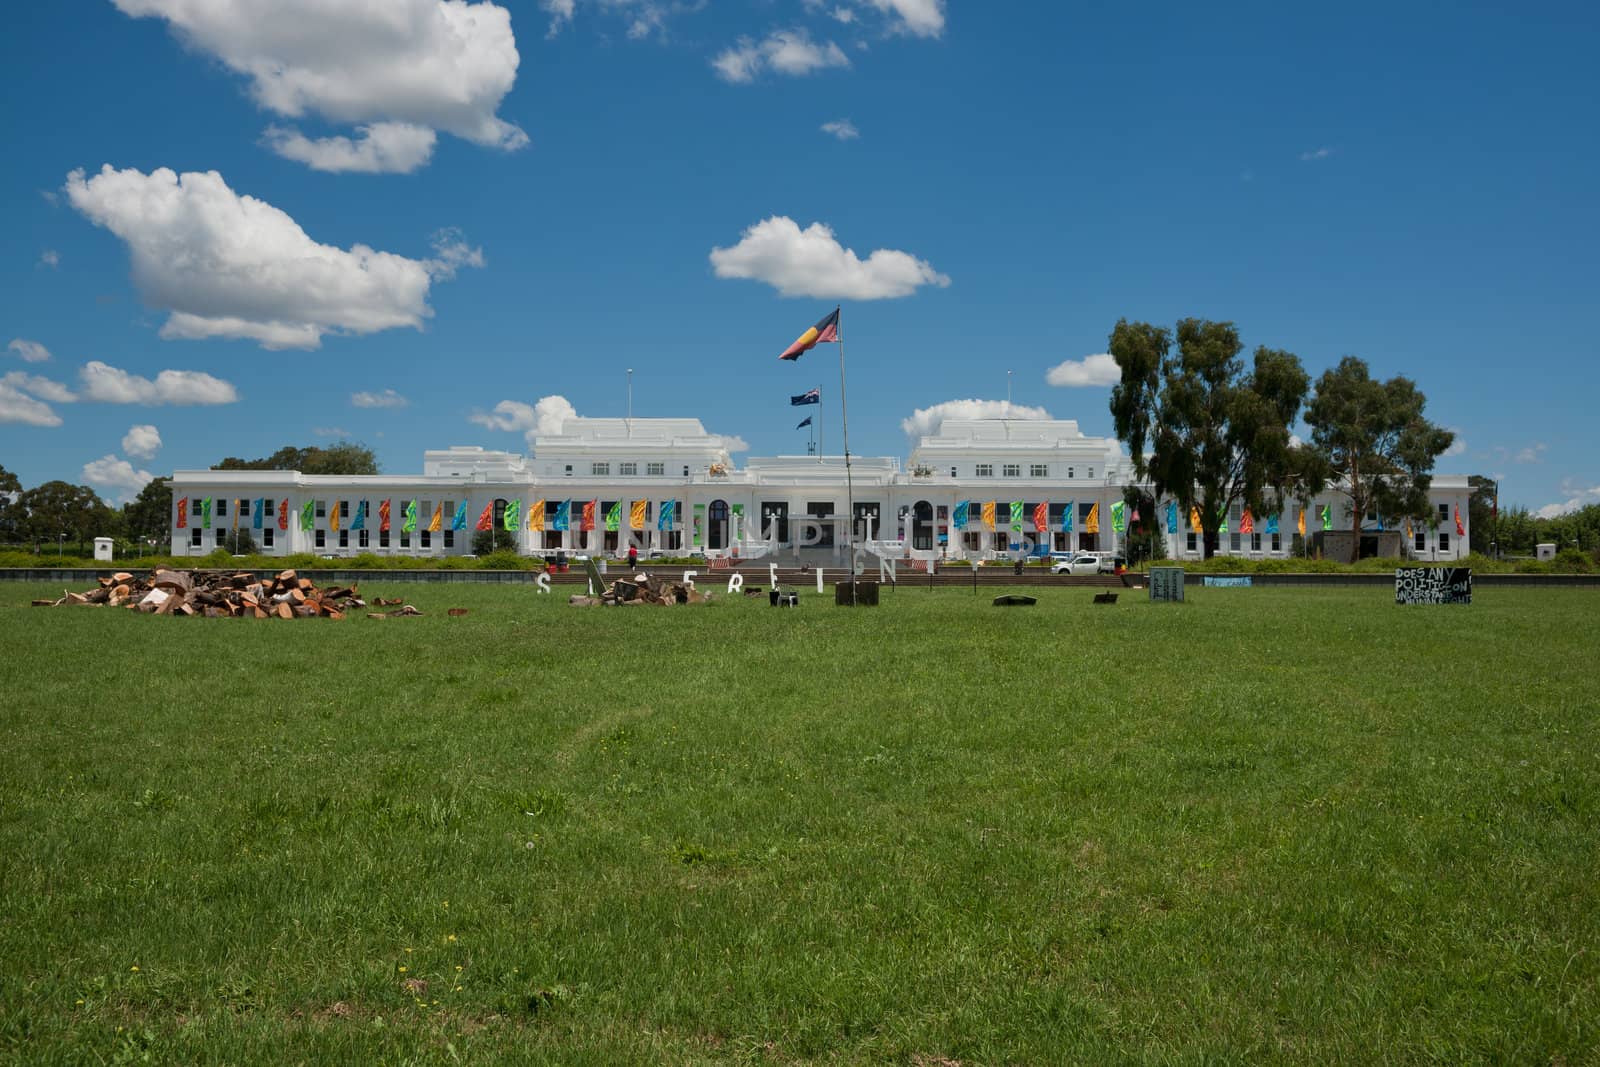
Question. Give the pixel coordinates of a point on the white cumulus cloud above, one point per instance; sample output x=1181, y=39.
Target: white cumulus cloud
x=1314, y=154
x=142, y=442
x=227, y=265
x=791, y=52
x=731, y=442
x=1458, y=446
x=1098, y=369
x=843, y=129
x=811, y=262
x=28, y=351
x=110, y=385
x=1531, y=454
x=381, y=148
x=50, y=258
x=433, y=64
x=919, y=18
x=542, y=419
x=43, y=388
x=388, y=398
x=926, y=421
x=1579, y=496
x=116, y=475
x=17, y=406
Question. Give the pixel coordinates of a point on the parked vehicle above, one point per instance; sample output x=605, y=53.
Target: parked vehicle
x=1112, y=564
x=1082, y=563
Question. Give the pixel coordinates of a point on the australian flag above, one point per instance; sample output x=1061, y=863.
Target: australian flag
x=804, y=423
x=813, y=396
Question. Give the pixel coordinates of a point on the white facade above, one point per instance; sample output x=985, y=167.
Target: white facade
x=692, y=499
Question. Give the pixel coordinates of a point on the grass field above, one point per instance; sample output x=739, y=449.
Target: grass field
x=1298, y=825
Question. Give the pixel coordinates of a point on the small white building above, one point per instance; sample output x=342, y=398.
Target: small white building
x=979, y=488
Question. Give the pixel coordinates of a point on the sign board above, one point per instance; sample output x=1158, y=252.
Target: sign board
x=1166, y=583
x=1433, y=585
x=1225, y=582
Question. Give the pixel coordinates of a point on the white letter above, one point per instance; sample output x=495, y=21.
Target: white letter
x=735, y=583
x=689, y=577
x=543, y=582
x=819, y=579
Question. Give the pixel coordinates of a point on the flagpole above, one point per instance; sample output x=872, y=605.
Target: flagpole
x=849, y=484
x=817, y=425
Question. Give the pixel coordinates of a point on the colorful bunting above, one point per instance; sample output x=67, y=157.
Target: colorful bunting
x=1461, y=531
x=1066, y=516
x=988, y=514
x=333, y=515
x=958, y=517
x=410, y=525
x=614, y=517
x=360, y=521
x=536, y=512
x=183, y=513
x=1041, y=517
x=436, y=523
x=1272, y=523
x=564, y=515
x=1172, y=516
x=1247, y=522
x=383, y=516
x=283, y=514
x=513, y=515
x=590, y=506
x=259, y=513
x=486, y=519
x=1091, y=521
x=460, y=520
x=1117, y=508
x=1016, y=516
x=308, y=515
x=636, y=515
x=668, y=512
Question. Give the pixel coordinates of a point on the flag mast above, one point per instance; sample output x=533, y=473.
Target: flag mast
x=849, y=484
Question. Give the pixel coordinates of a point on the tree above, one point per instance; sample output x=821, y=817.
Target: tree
x=346, y=457
x=56, y=508
x=10, y=489
x=1216, y=436
x=493, y=540
x=1373, y=438
x=149, y=515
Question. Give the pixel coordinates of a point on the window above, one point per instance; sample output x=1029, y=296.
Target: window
x=1090, y=474
x=344, y=538
x=1235, y=513
x=344, y=509
x=1039, y=470
x=361, y=539
x=449, y=539
x=405, y=540
x=322, y=538
x=984, y=470
x=1277, y=543
x=194, y=537
x=655, y=470
x=1444, y=542
x=1193, y=542
x=628, y=470
x=383, y=538
x=1233, y=541
x=1255, y=542
x=1444, y=512
x=218, y=538
x=602, y=470
x=222, y=506
x=427, y=539
x=266, y=537
x=1070, y=475
x=952, y=472
x=322, y=510
x=1012, y=470
x=1420, y=542
x=686, y=470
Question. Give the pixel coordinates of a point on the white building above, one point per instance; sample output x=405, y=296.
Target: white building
x=973, y=490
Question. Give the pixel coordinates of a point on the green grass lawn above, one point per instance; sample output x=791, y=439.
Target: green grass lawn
x=1298, y=825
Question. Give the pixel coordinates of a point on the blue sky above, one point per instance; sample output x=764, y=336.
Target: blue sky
x=461, y=212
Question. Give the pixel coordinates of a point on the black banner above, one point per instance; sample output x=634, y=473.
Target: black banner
x=1433, y=585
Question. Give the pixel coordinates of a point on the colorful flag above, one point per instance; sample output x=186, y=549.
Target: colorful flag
x=536, y=512
x=1247, y=522
x=410, y=525
x=614, y=516
x=804, y=423
x=1172, y=516
x=436, y=523
x=360, y=521
x=988, y=514
x=1327, y=518
x=460, y=521
x=636, y=515
x=1117, y=508
x=1380, y=521
x=260, y=513
x=486, y=520
x=1194, y=519
x=1041, y=517
x=1272, y=523
x=1408, y=527
x=668, y=512
x=283, y=514
x=589, y=508
x=1016, y=516
x=1302, y=522
x=810, y=396
x=563, y=516
x=823, y=332
x=383, y=516
x=333, y=515
x=1222, y=527
x=1461, y=531
x=512, y=519
x=1091, y=521
x=308, y=515
x=205, y=513
x=1066, y=516
x=958, y=517
x=183, y=513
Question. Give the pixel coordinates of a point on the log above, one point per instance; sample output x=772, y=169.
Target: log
x=283, y=610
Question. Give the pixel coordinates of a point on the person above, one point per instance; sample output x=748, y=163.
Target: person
x=633, y=555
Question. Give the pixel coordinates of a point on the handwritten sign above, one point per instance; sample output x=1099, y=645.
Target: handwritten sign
x=1166, y=584
x=1433, y=585
x=1228, y=583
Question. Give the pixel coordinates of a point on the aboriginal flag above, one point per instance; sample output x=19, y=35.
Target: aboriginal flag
x=823, y=332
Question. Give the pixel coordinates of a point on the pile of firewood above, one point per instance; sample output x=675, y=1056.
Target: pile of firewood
x=217, y=595
x=641, y=589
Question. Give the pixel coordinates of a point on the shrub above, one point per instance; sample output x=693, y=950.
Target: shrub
x=507, y=561
x=1572, y=561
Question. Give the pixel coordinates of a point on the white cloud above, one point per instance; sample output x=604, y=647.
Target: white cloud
x=542, y=419
x=843, y=14
x=28, y=351
x=811, y=262
x=843, y=129
x=926, y=421
x=450, y=253
x=17, y=406
x=142, y=442
x=439, y=64
x=111, y=473
x=731, y=442
x=50, y=258
x=1315, y=154
x=1579, y=497
x=789, y=52
x=1096, y=370
x=43, y=388
x=560, y=12
x=1531, y=454
x=1458, y=446
x=227, y=265
x=110, y=385
x=386, y=399
x=381, y=148
x=919, y=18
